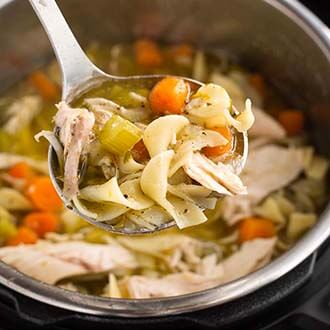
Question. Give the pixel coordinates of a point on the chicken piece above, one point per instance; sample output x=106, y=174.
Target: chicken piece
x=169, y=285
x=250, y=257
x=258, y=142
x=208, y=266
x=99, y=157
x=102, y=109
x=39, y=265
x=94, y=257
x=22, y=112
x=13, y=200
x=180, y=252
x=101, y=117
x=51, y=262
x=266, y=126
x=75, y=134
x=268, y=169
x=236, y=208
x=216, y=177
x=187, y=256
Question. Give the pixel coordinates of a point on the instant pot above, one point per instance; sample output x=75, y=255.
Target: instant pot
x=282, y=40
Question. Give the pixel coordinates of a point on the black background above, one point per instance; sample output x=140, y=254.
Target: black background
x=320, y=7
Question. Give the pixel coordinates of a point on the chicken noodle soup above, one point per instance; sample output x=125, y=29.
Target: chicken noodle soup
x=284, y=176
x=146, y=159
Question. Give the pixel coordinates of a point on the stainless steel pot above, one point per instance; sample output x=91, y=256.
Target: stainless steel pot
x=279, y=37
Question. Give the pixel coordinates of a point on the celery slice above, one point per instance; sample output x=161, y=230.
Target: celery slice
x=119, y=135
x=7, y=229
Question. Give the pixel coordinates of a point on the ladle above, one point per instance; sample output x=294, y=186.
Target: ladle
x=79, y=75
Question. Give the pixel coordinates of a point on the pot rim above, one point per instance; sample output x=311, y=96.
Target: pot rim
x=95, y=305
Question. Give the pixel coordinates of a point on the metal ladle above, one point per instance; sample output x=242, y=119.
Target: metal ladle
x=79, y=75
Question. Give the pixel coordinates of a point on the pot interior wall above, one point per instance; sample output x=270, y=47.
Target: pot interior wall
x=255, y=31
x=279, y=45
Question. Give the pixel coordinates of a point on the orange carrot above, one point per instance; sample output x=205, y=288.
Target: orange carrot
x=292, y=121
x=258, y=82
x=43, y=195
x=21, y=171
x=169, y=95
x=220, y=150
x=182, y=50
x=46, y=88
x=251, y=228
x=41, y=222
x=24, y=236
x=140, y=152
x=147, y=53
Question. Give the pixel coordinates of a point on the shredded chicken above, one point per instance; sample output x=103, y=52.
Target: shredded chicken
x=51, y=262
x=99, y=158
x=169, y=285
x=265, y=126
x=39, y=265
x=218, y=177
x=208, y=266
x=75, y=133
x=250, y=257
x=188, y=255
x=22, y=112
x=180, y=252
x=101, y=110
x=95, y=257
x=236, y=208
x=268, y=168
x=258, y=142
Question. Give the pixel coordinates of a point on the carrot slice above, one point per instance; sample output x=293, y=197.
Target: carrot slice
x=140, y=152
x=21, y=171
x=169, y=96
x=220, y=150
x=251, y=228
x=182, y=50
x=292, y=121
x=41, y=222
x=46, y=88
x=258, y=82
x=147, y=53
x=43, y=195
x=24, y=236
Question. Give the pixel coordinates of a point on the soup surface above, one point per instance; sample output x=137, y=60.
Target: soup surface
x=151, y=155
x=286, y=183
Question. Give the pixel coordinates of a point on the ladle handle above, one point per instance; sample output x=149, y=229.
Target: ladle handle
x=75, y=65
